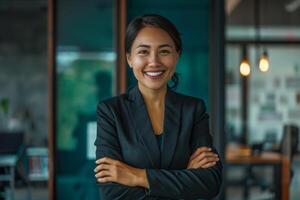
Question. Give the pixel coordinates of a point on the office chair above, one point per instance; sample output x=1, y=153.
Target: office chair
x=12, y=144
x=288, y=146
x=289, y=143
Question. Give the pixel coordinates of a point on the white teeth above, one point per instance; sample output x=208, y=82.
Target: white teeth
x=153, y=73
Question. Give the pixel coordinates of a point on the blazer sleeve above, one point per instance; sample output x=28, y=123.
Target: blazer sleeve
x=107, y=144
x=189, y=183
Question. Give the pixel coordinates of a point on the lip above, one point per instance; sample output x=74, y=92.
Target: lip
x=154, y=71
x=146, y=74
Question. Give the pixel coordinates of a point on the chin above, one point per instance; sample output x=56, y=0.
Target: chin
x=154, y=86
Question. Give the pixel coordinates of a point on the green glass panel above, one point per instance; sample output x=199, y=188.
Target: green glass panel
x=85, y=65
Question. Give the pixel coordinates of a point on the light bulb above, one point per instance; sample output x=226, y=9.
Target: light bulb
x=264, y=63
x=245, y=67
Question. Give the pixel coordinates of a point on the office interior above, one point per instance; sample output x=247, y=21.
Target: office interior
x=59, y=58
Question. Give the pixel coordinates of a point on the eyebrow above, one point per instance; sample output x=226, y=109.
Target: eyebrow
x=148, y=46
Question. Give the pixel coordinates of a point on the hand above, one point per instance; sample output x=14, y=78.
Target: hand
x=202, y=158
x=110, y=170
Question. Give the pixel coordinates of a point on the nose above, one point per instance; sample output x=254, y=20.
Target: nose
x=154, y=60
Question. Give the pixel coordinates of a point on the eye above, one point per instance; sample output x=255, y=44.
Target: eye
x=164, y=52
x=143, y=52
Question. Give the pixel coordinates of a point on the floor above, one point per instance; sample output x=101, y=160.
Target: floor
x=36, y=192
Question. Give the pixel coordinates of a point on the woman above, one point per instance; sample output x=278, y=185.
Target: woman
x=153, y=143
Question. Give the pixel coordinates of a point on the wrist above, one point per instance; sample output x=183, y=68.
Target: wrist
x=141, y=178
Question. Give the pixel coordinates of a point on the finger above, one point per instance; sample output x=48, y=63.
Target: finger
x=107, y=160
x=103, y=174
x=104, y=160
x=200, y=157
x=204, y=165
x=105, y=179
x=211, y=164
x=102, y=167
x=207, y=154
x=207, y=160
x=199, y=151
x=189, y=167
x=203, y=155
x=190, y=164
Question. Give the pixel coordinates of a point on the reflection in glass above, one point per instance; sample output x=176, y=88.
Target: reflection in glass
x=85, y=68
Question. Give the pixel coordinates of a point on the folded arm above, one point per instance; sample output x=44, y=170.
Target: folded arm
x=107, y=145
x=186, y=183
x=189, y=183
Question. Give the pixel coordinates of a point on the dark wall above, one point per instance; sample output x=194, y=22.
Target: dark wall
x=23, y=69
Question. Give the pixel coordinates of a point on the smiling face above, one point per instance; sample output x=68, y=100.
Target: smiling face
x=153, y=58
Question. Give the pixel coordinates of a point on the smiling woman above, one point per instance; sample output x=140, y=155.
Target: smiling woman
x=153, y=58
x=154, y=143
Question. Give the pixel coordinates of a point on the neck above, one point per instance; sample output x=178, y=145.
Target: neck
x=153, y=97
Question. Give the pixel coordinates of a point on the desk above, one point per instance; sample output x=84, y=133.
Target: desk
x=241, y=155
x=9, y=161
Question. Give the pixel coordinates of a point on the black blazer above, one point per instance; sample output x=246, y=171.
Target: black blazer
x=125, y=133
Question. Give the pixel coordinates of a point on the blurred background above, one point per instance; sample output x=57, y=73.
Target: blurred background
x=59, y=58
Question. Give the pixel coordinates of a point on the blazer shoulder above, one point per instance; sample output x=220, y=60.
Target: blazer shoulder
x=113, y=102
x=189, y=100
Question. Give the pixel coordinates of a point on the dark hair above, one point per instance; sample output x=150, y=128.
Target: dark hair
x=157, y=21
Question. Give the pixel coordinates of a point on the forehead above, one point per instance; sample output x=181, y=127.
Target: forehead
x=153, y=36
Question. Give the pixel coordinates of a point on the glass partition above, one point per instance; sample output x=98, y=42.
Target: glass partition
x=85, y=68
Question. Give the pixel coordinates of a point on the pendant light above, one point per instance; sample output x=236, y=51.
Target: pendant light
x=264, y=62
x=244, y=65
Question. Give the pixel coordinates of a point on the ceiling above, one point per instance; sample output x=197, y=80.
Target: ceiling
x=271, y=12
x=240, y=12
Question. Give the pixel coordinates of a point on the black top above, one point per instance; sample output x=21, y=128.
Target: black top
x=160, y=139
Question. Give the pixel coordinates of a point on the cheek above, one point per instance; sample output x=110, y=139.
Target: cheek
x=171, y=64
x=170, y=61
x=138, y=64
x=137, y=67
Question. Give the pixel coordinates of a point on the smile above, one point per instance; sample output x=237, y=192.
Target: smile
x=154, y=74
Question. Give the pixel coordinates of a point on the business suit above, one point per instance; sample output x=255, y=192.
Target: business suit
x=125, y=133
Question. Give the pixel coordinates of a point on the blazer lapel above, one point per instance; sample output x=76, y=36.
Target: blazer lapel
x=171, y=128
x=143, y=126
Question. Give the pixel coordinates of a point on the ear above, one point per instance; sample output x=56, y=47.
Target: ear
x=179, y=53
x=128, y=58
x=177, y=56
